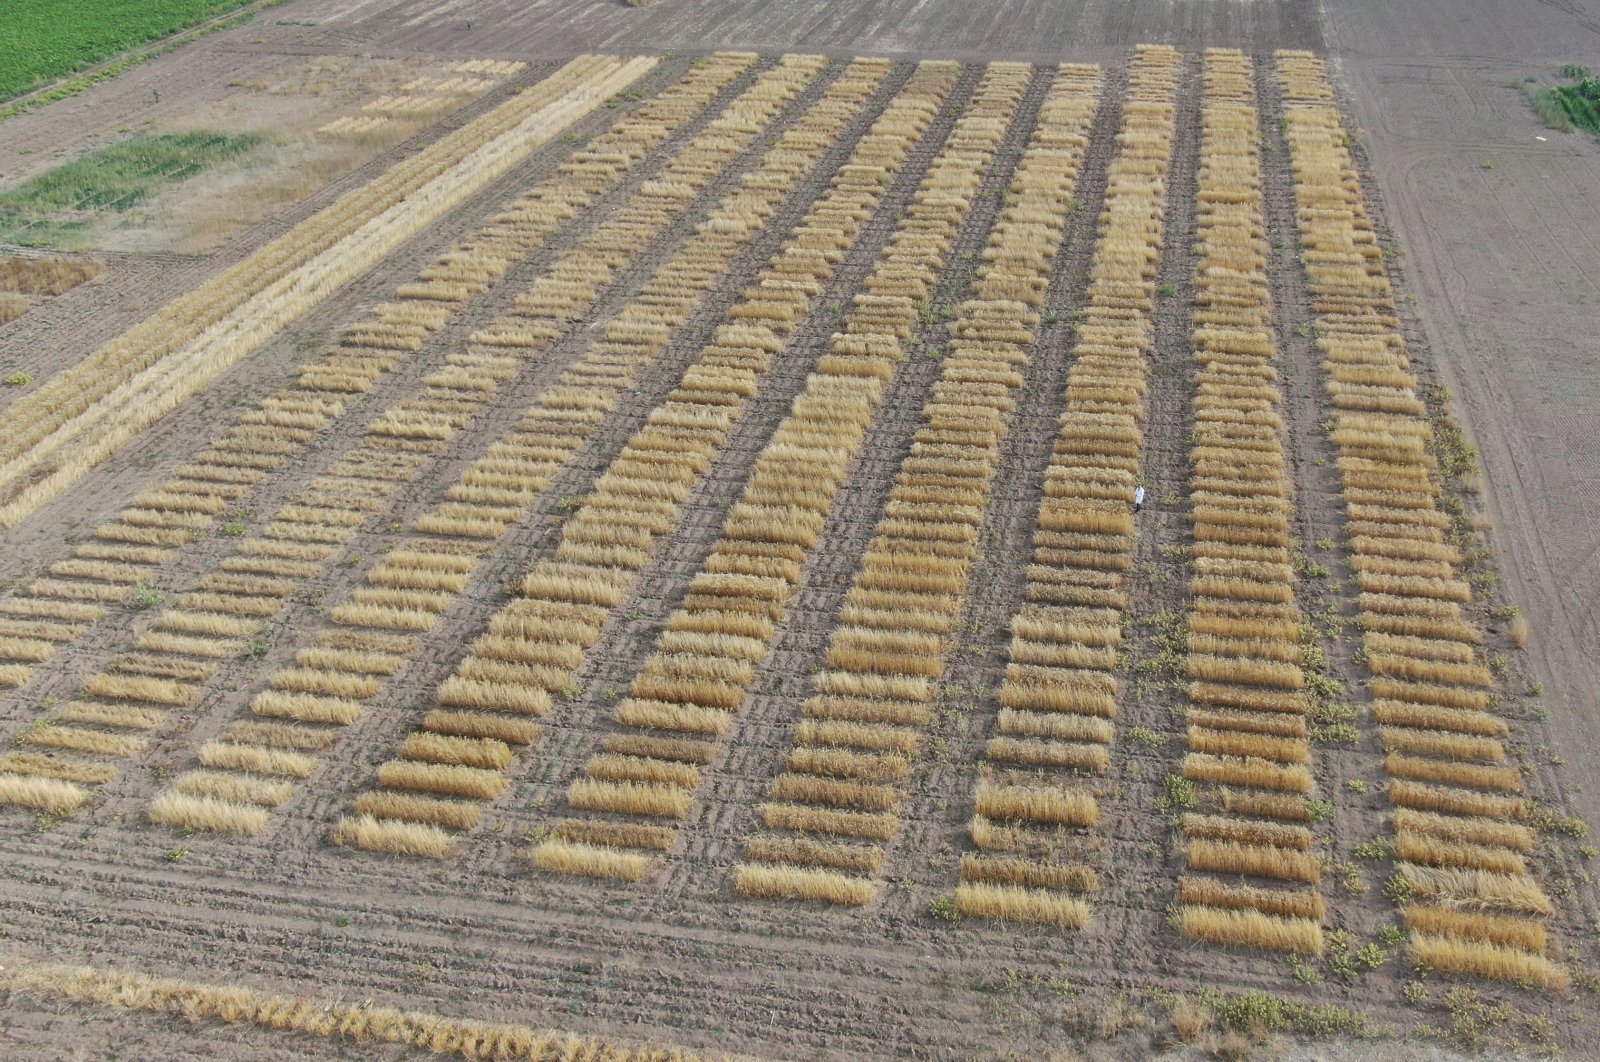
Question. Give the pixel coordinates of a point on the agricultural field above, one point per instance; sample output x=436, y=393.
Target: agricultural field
x=46, y=39
x=778, y=546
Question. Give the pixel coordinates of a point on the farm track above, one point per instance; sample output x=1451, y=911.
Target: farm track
x=1029, y=30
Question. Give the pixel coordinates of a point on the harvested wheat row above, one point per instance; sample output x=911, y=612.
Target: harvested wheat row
x=883, y=662
x=532, y=647
x=1249, y=928
x=977, y=899
x=1452, y=782
x=1247, y=729
x=362, y=1023
x=800, y=883
x=75, y=420
x=1059, y=693
x=258, y=579
x=148, y=534
x=693, y=686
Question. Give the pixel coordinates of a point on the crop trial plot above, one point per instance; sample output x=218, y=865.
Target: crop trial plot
x=697, y=548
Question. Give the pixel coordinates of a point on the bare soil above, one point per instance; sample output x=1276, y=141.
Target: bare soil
x=1498, y=266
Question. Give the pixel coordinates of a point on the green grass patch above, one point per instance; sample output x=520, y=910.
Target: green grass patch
x=43, y=40
x=1565, y=106
x=54, y=208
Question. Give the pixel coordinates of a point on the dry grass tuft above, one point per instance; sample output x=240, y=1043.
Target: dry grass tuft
x=1061, y=807
x=407, y=807
x=469, y=783
x=210, y=814
x=1014, y=904
x=631, y=798
x=797, y=883
x=591, y=861
x=49, y=795
x=1252, y=929
x=397, y=837
x=1513, y=932
x=1488, y=960
x=234, y=788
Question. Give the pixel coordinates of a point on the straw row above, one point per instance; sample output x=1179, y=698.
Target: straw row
x=359, y=1024
x=1060, y=693
x=421, y=96
x=1249, y=748
x=128, y=553
x=1470, y=900
x=84, y=414
x=835, y=808
x=687, y=694
x=230, y=605
x=405, y=593
x=536, y=644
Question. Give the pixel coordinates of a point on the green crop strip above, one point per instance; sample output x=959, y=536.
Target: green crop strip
x=46, y=39
x=54, y=208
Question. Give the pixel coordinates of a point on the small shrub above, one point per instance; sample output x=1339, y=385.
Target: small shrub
x=1377, y=848
x=1178, y=794
x=1147, y=737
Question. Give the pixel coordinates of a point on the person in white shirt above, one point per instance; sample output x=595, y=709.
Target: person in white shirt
x=1138, y=498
